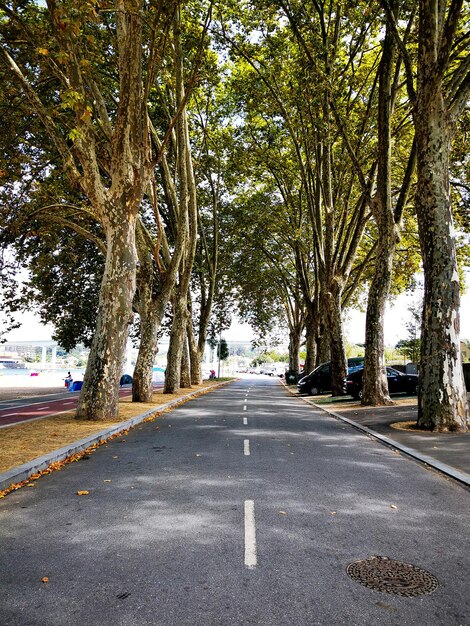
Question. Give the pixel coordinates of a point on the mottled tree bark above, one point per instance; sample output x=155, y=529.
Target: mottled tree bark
x=175, y=348
x=339, y=368
x=374, y=386
x=129, y=172
x=311, y=329
x=294, y=349
x=188, y=205
x=142, y=386
x=154, y=290
x=100, y=392
x=442, y=394
x=195, y=355
x=185, y=381
x=323, y=341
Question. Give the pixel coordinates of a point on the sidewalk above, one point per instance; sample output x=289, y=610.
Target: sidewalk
x=446, y=452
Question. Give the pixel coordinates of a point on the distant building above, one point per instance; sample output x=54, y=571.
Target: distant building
x=9, y=362
x=465, y=351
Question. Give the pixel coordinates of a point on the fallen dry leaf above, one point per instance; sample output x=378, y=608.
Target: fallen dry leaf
x=45, y=579
x=332, y=512
x=106, y=480
x=198, y=454
x=82, y=493
x=392, y=506
x=282, y=513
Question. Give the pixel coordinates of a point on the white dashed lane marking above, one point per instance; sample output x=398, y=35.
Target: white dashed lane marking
x=251, y=558
x=246, y=447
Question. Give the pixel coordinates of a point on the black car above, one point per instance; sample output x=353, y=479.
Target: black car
x=319, y=379
x=397, y=383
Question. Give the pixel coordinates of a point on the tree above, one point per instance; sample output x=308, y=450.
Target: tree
x=222, y=350
x=188, y=207
x=410, y=348
x=296, y=84
x=438, y=98
x=387, y=218
x=99, y=127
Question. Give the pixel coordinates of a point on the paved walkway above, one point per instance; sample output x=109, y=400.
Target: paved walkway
x=450, y=449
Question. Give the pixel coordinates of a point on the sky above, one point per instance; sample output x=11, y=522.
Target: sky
x=396, y=317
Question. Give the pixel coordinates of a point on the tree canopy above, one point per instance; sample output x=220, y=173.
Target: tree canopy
x=203, y=158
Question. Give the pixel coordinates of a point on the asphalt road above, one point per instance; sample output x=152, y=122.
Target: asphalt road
x=23, y=410
x=244, y=506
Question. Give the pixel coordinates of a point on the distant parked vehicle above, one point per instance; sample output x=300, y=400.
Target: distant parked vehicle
x=126, y=379
x=397, y=383
x=319, y=380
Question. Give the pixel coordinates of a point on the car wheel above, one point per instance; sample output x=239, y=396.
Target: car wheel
x=414, y=390
x=313, y=391
x=359, y=394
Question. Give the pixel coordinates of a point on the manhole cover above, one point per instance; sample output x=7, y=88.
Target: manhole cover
x=384, y=574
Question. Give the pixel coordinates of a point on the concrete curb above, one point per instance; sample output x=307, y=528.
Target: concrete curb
x=461, y=477
x=23, y=472
x=448, y=470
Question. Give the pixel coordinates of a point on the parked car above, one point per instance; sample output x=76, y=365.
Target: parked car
x=319, y=380
x=397, y=383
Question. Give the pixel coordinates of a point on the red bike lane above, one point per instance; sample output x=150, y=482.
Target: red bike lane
x=34, y=408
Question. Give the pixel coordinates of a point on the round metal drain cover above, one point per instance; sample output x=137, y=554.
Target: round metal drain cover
x=384, y=574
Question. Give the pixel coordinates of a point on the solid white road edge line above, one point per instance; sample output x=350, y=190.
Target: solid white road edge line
x=246, y=447
x=250, y=535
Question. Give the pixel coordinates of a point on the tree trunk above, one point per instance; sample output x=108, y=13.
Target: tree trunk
x=151, y=307
x=323, y=348
x=339, y=368
x=294, y=349
x=142, y=387
x=100, y=392
x=175, y=349
x=374, y=385
x=442, y=393
x=442, y=404
x=188, y=207
x=195, y=356
x=322, y=338
x=311, y=329
x=185, y=381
